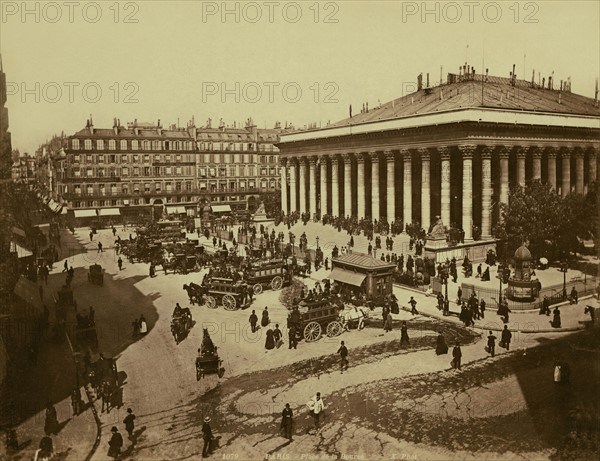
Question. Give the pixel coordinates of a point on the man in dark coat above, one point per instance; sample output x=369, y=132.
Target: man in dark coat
x=343, y=351
x=287, y=421
x=253, y=321
x=491, y=344
x=413, y=306
x=129, y=422
x=506, y=337
x=457, y=355
x=207, y=436
x=440, y=345
x=115, y=444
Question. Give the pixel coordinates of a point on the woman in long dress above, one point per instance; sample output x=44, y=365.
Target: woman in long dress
x=556, y=318
x=270, y=341
x=404, y=340
x=265, y=318
x=441, y=347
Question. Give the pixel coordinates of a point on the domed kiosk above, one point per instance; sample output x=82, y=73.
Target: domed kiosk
x=520, y=285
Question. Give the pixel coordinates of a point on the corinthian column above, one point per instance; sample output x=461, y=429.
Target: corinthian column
x=565, y=157
x=293, y=186
x=312, y=186
x=407, y=181
x=504, y=153
x=347, y=184
x=324, y=191
x=445, y=188
x=302, y=185
x=360, y=180
x=284, y=192
x=425, y=189
x=486, y=193
x=592, y=165
x=520, y=166
x=536, y=154
x=579, y=170
x=335, y=187
x=375, y=186
x=390, y=164
x=467, y=192
x=551, y=152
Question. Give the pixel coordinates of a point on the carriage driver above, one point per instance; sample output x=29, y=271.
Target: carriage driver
x=177, y=310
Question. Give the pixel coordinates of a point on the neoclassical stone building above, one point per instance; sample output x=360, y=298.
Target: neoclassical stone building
x=452, y=151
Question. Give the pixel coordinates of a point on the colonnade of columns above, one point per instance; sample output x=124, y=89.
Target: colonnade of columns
x=326, y=195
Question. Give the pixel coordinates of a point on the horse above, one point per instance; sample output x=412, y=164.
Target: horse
x=353, y=317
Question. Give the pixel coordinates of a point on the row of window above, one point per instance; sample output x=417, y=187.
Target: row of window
x=141, y=201
x=115, y=172
x=134, y=144
x=169, y=187
x=167, y=158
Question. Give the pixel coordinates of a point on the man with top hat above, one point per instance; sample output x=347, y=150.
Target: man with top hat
x=207, y=437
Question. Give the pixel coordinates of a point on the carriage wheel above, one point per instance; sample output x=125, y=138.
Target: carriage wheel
x=257, y=289
x=312, y=332
x=211, y=302
x=334, y=329
x=229, y=303
x=276, y=283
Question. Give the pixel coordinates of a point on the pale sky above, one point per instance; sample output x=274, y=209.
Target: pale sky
x=174, y=62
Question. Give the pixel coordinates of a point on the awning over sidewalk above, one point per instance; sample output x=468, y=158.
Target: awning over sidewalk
x=220, y=208
x=22, y=252
x=87, y=213
x=344, y=276
x=176, y=210
x=110, y=212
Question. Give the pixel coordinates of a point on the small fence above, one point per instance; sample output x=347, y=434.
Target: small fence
x=555, y=294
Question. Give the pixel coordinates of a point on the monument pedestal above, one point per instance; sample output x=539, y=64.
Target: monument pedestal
x=437, y=248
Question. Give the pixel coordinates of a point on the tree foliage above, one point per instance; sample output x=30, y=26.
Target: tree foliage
x=551, y=225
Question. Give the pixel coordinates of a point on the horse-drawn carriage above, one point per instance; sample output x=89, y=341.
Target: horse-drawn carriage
x=96, y=274
x=86, y=336
x=272, y=273
x=104, y=378
x=195, y=292
x=318, y=317
x=208, y=361
x=231, y=295
x=181, y=324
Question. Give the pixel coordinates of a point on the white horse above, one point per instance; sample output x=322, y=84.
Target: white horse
x=352, y=315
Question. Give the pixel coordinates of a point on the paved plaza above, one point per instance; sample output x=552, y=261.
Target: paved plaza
x=379, y=406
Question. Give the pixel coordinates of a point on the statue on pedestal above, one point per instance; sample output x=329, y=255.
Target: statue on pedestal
x=438, y=230
x=260, y=211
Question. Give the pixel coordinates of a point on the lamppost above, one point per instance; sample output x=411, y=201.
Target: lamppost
x=444, y=280
x=500, y=275
x=564, y=267
x=317, y=239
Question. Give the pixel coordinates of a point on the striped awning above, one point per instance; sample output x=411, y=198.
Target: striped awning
x=351, y=278
x=110, y=212
x=86, y=213
x=220, y=208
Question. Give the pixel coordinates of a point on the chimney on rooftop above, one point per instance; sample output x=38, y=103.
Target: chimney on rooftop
x=533, y=78
x=115, y=126
x=420, y=82
x=91, y=126
x=596, y=94
x=544, y=82
x=486, y=73
x=427, y=80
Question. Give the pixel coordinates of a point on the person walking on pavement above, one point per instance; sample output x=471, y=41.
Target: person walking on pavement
x=456, y=356
x=343, y=351
x=120, y=263
x=505, y=338
x=317, y=407
x=574, y=296
x=91, y=235
x=129, y=423
x=264, y=321
x=287, y=421
x=491, y=344
x=115, y=444
x=404, y=340
x=387, y=326
x=207, y=436
x=413, y=306
x=253, y=319
x=100, y=247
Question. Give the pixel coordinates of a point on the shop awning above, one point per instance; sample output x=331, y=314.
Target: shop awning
x=349, y=277
x=220, y=208
x=110, y=212
x=176, y=210
x=87, y=213
x=19, y=232
x=22, y=252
